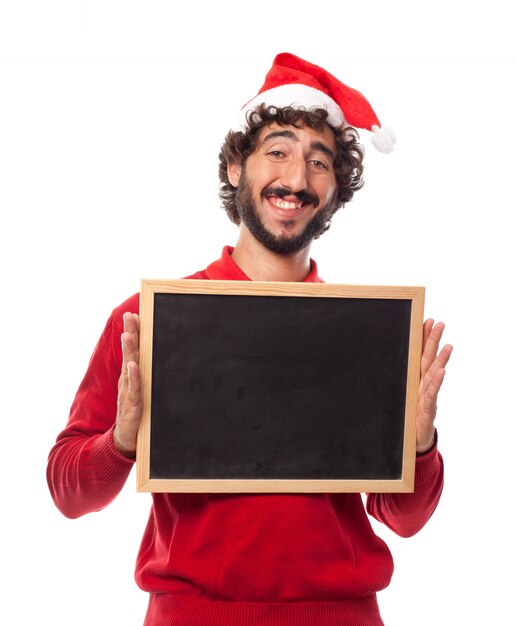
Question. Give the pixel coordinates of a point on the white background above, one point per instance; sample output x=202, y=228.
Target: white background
x=111, y=117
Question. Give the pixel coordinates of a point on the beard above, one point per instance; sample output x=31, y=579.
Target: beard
x=283, y=244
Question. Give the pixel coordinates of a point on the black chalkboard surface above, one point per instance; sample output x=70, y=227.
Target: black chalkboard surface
x=278, y=386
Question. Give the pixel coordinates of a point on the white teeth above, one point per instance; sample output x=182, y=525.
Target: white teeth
x=281, y=204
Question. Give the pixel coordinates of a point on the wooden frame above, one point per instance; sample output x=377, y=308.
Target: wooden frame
x=150, y=289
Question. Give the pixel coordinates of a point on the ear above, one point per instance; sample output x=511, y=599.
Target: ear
x=234, y=171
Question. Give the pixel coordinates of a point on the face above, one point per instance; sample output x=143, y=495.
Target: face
x=286, y=187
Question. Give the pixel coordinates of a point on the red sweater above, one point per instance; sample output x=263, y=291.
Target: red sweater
x=236, y=559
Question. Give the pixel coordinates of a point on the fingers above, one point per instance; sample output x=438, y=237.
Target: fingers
x=130, y=339
x=129, y=410
x=133, y=397
x=431, y=338
x=427, y=409
x=437, y=364
x=427, y=329
x=432, y=390
x=129, y=388
x=131, y=322
x=433, y=364
x=130, y=351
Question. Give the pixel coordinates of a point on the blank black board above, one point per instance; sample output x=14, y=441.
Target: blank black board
x=278, y=388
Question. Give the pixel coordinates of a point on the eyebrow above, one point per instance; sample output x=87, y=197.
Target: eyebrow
x=288, y=134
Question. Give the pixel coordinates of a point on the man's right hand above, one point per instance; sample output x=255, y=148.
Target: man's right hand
x=129, y=389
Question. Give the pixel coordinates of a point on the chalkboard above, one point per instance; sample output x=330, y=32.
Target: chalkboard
x=278, y=387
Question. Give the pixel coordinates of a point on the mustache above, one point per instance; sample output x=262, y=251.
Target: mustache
x=302, y=196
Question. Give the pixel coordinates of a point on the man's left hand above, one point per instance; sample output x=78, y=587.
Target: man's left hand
x=433, y=365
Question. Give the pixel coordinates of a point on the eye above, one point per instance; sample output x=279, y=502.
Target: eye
x=319, y=165
x=276, y=153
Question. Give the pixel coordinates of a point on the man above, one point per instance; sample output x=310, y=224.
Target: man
x=222, y=559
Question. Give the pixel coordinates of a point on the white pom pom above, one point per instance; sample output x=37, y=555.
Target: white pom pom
x=383, y=139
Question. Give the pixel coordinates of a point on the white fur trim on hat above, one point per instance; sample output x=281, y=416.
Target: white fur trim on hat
x=295, y=95
x=383, y=139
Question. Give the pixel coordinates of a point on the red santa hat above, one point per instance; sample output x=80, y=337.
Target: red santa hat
x=291, y=81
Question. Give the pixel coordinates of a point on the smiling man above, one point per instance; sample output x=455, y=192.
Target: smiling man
x=264, y=559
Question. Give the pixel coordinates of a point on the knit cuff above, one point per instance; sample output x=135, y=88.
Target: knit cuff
x=428, y=464
x=108, y=464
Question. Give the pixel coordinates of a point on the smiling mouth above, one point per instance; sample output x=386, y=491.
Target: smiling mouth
x=284, y=204
x=286, y=200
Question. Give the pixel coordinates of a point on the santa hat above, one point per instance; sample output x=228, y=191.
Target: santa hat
x=291, y=81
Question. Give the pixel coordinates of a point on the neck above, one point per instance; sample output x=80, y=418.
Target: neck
x=259, y=263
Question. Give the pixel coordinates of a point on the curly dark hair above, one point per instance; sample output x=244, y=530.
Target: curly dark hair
x=238, y=146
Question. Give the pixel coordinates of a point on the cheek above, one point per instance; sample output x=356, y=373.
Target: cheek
x=263, y=173
x=326, y=191
x=262, y=182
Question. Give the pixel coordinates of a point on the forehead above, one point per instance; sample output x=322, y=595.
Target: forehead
x=306, y=136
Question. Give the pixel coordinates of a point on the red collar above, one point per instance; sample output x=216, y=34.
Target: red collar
x=226, y=269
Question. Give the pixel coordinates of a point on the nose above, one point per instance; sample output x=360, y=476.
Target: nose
x=293, y=176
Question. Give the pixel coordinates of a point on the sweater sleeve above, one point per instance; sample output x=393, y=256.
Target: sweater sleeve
x=85, y=472
x=407, y=513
